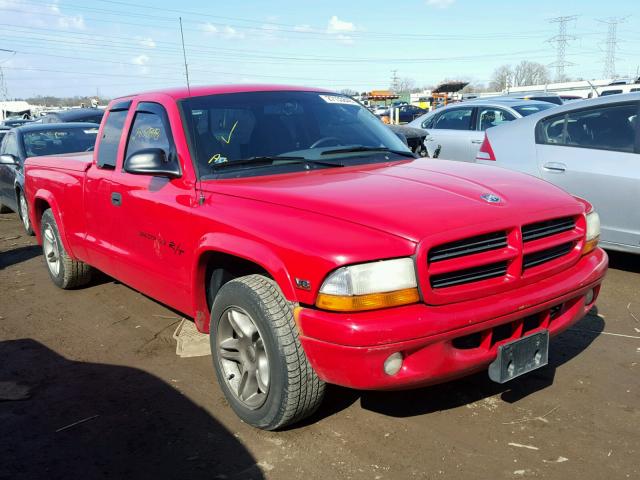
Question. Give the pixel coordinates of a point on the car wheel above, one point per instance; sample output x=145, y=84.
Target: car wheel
x=260, y=364
x=24, y=213
x=64, y=271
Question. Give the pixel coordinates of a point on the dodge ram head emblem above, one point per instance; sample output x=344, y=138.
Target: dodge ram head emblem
x=490, y=197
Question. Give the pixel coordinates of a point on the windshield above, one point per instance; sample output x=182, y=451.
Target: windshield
x=59, y=140
x=525, y=110
x=239, y=127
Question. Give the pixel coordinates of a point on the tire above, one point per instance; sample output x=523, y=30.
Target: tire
x=65, y=272
x=23, y=213
x=287, y=389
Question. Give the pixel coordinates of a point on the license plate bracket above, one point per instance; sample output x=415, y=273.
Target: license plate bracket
x=520, y=356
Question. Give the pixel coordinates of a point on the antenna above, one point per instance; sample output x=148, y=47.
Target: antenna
x=184, y=55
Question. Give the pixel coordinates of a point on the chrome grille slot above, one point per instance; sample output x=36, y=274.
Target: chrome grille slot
x=543, y=256
x=547, y=228
x=469, y=275
x=468, y=246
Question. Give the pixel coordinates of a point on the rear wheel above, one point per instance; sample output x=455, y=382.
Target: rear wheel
x=24, y=213
x=64, y=271
x=260, y=364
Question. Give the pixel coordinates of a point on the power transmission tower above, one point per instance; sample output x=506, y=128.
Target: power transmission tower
x=612, y=45
x=561, y=40
x=394, y=80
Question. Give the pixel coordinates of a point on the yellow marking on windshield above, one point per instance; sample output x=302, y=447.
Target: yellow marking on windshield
x=215, y=158
x=228, y=140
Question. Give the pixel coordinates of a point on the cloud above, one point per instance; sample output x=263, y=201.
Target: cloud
x=440, y=3
x=225, y=32
x=140, y=60
x=339, y=26
x=147, y=42
x=66, y=22
x=338, y=29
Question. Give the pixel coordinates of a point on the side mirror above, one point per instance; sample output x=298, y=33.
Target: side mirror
x=152, y=161
x=8, y=159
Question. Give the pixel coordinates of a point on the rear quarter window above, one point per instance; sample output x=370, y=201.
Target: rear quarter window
x=110, y=140
x=607, y=127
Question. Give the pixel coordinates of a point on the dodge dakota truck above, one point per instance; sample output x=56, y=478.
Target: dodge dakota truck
x=301, y=234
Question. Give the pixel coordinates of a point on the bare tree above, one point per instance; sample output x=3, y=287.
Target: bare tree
x=501, y=78
x=530, y=73
x=348, y=91
x=405, y=85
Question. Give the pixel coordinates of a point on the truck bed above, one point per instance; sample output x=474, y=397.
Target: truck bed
x=78, y=162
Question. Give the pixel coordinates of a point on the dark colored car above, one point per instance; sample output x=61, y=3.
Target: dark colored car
x=92, y=115
x=15, y=122
x=413, y=137
x=34, y=140
x=409, y=112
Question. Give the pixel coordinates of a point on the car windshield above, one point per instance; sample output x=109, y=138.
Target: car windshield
x=526, y=110
x=239, y=127
x=59, y=140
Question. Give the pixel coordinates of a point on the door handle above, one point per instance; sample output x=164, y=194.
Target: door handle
x=476, y=141
x=116, y=199
x=556, y=167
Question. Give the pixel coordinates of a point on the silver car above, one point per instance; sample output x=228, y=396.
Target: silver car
x=458, y=129
x=591, y=148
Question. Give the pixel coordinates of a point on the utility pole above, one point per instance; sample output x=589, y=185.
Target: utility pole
x=4, y=93
x=561, y=40
x=394, y=80
x=611, y=45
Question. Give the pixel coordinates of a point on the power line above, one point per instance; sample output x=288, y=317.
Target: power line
x=561, y=40
x=612, y=45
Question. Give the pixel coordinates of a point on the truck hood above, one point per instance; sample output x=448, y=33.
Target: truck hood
x=411, y=199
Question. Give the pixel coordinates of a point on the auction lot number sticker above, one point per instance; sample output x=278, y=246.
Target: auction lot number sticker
x=338, y=99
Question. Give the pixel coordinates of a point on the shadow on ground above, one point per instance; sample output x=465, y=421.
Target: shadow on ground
x=19, y=255
x=470, y=389
x=136, y=425
x=628, y=262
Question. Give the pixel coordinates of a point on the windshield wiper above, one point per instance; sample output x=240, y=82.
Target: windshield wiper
x=363, y=148
x=267, y=161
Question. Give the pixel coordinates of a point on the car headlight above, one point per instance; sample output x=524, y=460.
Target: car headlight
x=368, y=286
x=593, y=232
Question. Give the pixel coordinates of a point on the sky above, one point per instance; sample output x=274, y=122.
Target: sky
x=118, y=47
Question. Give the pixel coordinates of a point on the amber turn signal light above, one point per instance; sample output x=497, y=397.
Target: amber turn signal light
x=371, y=301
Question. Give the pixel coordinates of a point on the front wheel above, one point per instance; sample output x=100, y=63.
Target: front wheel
x=64, y=271
x=260, y=364
x=24, y=213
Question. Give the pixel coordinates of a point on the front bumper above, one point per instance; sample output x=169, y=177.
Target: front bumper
x=440, y=343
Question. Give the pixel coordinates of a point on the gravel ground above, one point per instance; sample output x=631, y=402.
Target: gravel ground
x=90, y=387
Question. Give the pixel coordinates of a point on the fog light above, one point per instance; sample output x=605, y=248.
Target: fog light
x=393, y=363
x=588, y=298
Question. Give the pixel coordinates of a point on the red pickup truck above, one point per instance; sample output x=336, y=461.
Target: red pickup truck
x=298, y=231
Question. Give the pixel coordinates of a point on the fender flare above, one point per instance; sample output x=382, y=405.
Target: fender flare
x=48, y=197
x=241, y=247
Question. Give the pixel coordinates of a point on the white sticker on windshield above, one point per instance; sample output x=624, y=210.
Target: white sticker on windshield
x=338, y=99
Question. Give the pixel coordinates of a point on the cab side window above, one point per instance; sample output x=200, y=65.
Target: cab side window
x=149, y=130
x=10, y=145
x=110, y=140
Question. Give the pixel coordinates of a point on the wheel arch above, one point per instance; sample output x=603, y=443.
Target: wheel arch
x=236, y=256
x=43, y=200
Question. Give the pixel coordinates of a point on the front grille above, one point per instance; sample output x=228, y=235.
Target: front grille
x=468, y=246
x=469, y=275
x=538, y=230
x=543, y=256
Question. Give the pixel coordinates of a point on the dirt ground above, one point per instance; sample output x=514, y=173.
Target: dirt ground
x=92, y=388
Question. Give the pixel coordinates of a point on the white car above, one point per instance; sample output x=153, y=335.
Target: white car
x=458, y=129
x=590, y=148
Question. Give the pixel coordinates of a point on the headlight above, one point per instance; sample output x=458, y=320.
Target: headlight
x=593, y=232
x=368, y=286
